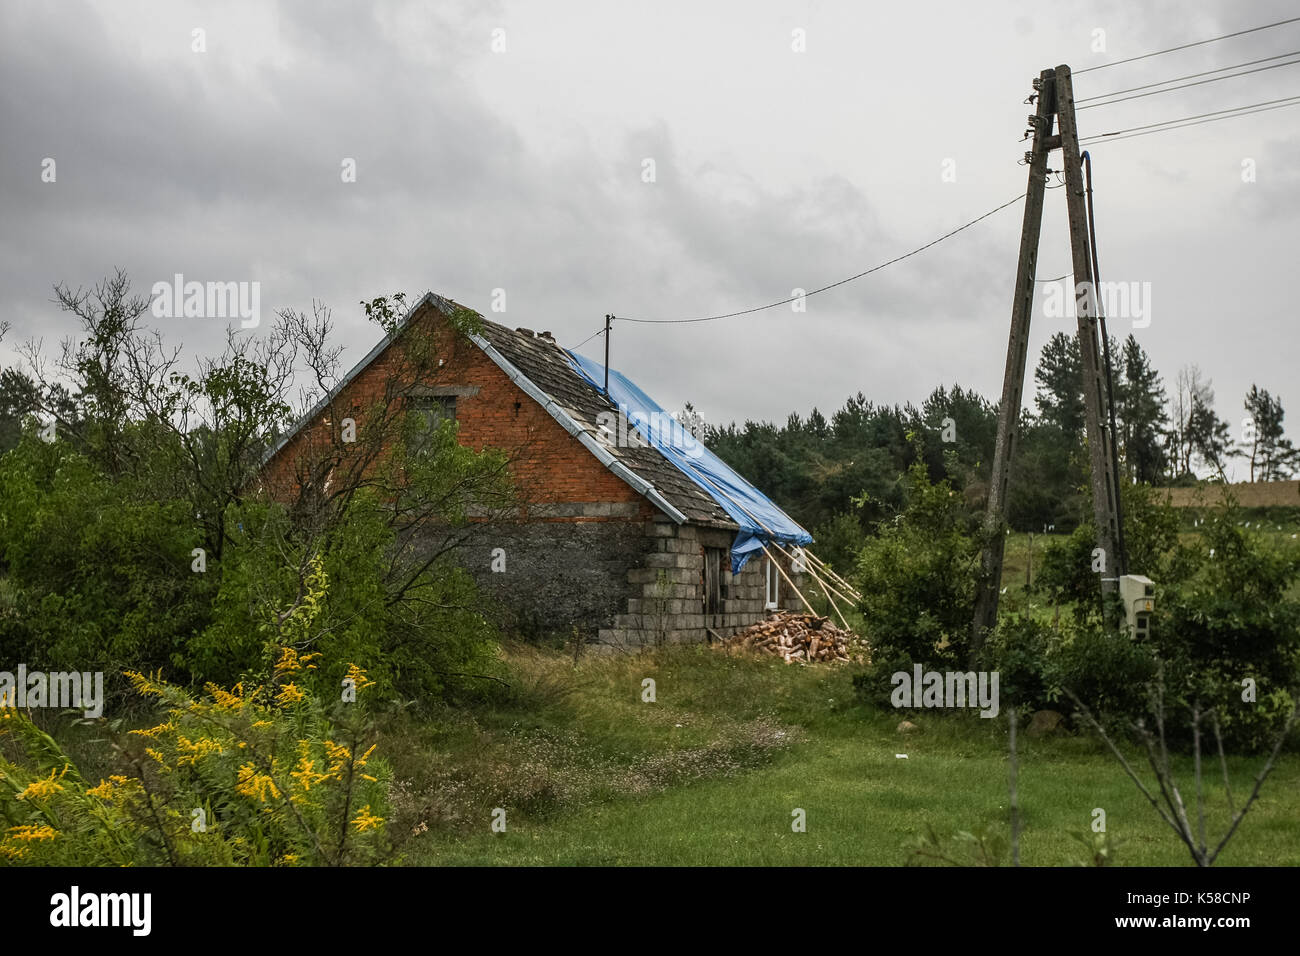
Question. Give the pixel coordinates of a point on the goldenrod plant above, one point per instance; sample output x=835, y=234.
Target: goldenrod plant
x=270, y=772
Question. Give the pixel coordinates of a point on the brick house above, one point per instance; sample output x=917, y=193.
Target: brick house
x=621, y=535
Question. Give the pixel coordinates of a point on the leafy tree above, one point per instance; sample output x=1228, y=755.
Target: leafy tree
x=1269, y=453
x=97, y=529
x=19, y=397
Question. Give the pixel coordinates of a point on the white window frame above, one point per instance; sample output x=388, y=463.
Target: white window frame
x=772, y=586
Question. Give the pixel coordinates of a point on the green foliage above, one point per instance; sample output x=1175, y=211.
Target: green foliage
x=1036, y=663
x=917, y=577
x=1066, y=575
x=986, y=845
x=1144, y=422
x=815, y=467
x=1059, y=376
x=1107, y=670
x=839, y=540
x=1100, y=849
x=1228, y=617
x=1018, y=650
x=1271, y=456
x=98, y=579
x=1224, y=613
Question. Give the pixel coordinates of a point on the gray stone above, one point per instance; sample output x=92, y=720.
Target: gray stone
x=1043, y=723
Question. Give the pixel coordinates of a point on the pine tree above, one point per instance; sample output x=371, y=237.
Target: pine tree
x=1207, y=434
x=1271, y=456
x=1140, y=396
x=1060, y=385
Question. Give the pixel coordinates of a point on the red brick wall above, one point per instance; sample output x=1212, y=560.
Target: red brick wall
x=550, y=465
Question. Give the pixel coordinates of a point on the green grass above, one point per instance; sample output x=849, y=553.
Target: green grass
x=738, y=744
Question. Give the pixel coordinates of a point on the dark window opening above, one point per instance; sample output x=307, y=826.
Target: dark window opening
x=717, y=581
x=431, y=411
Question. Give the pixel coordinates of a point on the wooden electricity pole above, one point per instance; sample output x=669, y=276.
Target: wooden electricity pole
x=1055, y=104
x=1096, y=394
x=609, y=319
x=1013, y=381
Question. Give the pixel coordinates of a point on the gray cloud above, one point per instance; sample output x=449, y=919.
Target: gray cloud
x=522, y=171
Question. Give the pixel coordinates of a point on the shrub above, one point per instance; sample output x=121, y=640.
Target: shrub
x=1019, y=651
x=918, y=574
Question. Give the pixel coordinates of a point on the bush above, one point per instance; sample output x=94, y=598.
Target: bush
x=95, y=577
x=1107, y=670
x=1019, y=650
x=1227, y=617
x=918, y=576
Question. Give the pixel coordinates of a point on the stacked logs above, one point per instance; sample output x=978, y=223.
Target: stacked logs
x=796, y=638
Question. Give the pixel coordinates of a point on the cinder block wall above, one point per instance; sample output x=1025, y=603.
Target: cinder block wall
x=667, y=590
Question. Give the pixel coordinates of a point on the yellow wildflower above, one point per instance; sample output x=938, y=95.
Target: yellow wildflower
x=192, y=751
x=366, y=820
x=290, y=694
x=42, y=789
x=358, y=677
x=306, y=774
x=291, y=662
x=337, y=752
x=13, y=847
x=254, y=784
x=149, y=685
x=226, y=700
x=153, y=731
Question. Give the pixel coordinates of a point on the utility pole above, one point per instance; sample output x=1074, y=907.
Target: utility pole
x=1055, y=104
x=1013, y=382
x=608, y=319
x=1096, y=393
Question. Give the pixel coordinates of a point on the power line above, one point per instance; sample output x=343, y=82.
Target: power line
x=806, y=295
x=588, y=338
x=1189, y=76
x=1164, y=129
x=1235, y=110
x=1183, y=86
x=1185, y=46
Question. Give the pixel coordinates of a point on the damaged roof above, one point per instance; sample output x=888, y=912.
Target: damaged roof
x=546, y=366
x=542, y=370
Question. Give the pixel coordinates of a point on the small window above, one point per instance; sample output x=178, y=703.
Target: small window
x=432, y=411
x=773, y=585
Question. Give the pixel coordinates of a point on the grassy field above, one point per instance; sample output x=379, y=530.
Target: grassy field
x=711, y=772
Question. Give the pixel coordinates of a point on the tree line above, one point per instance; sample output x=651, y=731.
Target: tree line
x=840, y=474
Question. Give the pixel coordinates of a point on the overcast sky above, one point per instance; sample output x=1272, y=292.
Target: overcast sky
x=522, y=168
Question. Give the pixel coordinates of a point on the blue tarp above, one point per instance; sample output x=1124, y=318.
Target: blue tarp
x=759, y=519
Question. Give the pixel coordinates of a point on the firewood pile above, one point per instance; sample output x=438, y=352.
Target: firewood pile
x=798, y=638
